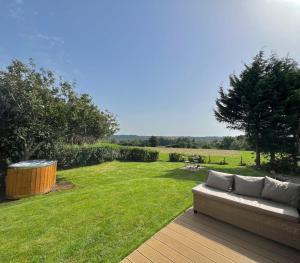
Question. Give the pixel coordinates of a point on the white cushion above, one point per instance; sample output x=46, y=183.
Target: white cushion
x=282, y=211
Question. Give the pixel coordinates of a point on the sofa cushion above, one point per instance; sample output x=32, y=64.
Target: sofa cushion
x=282, y=192
x=248, y=185
x=256, y=205
x=222, y=181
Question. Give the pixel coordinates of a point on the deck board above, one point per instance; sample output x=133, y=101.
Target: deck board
x=199, y=238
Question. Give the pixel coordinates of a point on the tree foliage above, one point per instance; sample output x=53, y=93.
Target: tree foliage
x=39, y=109
x=153, y=141
x=263, y=101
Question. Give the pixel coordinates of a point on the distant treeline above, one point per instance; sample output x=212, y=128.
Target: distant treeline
x=226, y=143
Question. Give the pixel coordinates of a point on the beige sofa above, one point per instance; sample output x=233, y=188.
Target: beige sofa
x=272, y=220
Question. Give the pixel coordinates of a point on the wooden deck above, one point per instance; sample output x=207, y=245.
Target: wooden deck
x=199, y=238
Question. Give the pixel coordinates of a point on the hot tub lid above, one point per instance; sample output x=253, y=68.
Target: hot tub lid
x=31, y=164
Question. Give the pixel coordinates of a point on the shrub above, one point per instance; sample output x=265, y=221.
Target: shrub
x=176, y=157
x=223, y=162
x=196, y=159
x=138, y=154
x=69, y=156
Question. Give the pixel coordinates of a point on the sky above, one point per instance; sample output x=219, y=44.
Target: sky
x=156, y=64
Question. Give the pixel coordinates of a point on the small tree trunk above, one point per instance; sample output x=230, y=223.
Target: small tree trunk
x=257, y=159
x=272, y=158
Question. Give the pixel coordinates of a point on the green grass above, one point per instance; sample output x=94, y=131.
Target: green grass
x=113, y=208
x=232, y=157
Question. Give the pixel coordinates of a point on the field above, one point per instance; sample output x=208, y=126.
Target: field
x=231, y=156
x=112, y=209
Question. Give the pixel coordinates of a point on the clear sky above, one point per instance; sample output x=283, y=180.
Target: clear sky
x=156, y=64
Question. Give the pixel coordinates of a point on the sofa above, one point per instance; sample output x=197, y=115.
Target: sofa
x=261, y=205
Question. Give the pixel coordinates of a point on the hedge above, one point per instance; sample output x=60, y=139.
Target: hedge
x=69, y=156
x=176, y=157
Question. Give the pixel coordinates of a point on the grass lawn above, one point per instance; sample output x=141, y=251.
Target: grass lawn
x=232, y=157
x=113, y=208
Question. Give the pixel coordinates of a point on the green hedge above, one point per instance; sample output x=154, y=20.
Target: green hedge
x=75, y=155
x=138, y=154
x=176, y=157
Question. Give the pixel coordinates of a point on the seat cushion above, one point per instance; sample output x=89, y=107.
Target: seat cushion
x=257, y=205
x=282, y=192
x=248, y=185
x=221, y=181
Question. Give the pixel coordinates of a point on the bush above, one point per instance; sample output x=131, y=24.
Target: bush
x=223, y=162
x=138, y=154
x=69, y=156
x=196, y=159
x=176, y=157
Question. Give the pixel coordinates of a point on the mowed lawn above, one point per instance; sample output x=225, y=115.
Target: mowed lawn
x=232, y=157
x=112, y=209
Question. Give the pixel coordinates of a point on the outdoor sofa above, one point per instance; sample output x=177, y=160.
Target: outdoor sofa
x=261, y=205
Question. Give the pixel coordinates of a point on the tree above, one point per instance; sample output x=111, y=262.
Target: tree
x=38, y=110
x=242, y=107
x=153, y=141
x=282, y=87
x=264, y=102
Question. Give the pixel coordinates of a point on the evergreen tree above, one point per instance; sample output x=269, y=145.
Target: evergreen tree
x=242, y=107
x=264, y=102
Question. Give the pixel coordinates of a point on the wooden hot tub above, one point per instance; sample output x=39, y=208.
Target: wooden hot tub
x=30, y=178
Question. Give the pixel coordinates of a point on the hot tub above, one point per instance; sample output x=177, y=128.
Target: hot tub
x=30, y=178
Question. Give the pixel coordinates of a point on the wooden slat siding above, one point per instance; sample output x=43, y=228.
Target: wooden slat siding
x=244, y=238
x=8, y=181
x=180, y=247
x=29, y=181
x=225, y=251
x=167, y=251
x=199, y=247
x=21, y=181
x=27, y=175
x=251, y=250
x=50, y=177
x=44, y=174
x=33, y=181
x=137, y=257
x=125, y=260
x=38, y=180
x=152, y=254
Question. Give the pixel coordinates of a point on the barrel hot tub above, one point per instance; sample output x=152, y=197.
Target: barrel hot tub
x=30, y=178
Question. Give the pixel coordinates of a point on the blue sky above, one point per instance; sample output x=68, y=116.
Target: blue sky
x=156, y=64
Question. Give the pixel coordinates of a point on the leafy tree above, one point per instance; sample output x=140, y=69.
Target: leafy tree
x=38, y=110
x=153, y=141
x=226, y=142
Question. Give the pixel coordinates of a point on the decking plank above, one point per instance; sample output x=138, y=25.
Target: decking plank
x=167, y=251
x=222, y=249
x=125, y=260
x=152, y=254
x=246, y=236
x=180, y=247
x=202, y=249
x=200, y=238
x=204, y=225
x=137, y=257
